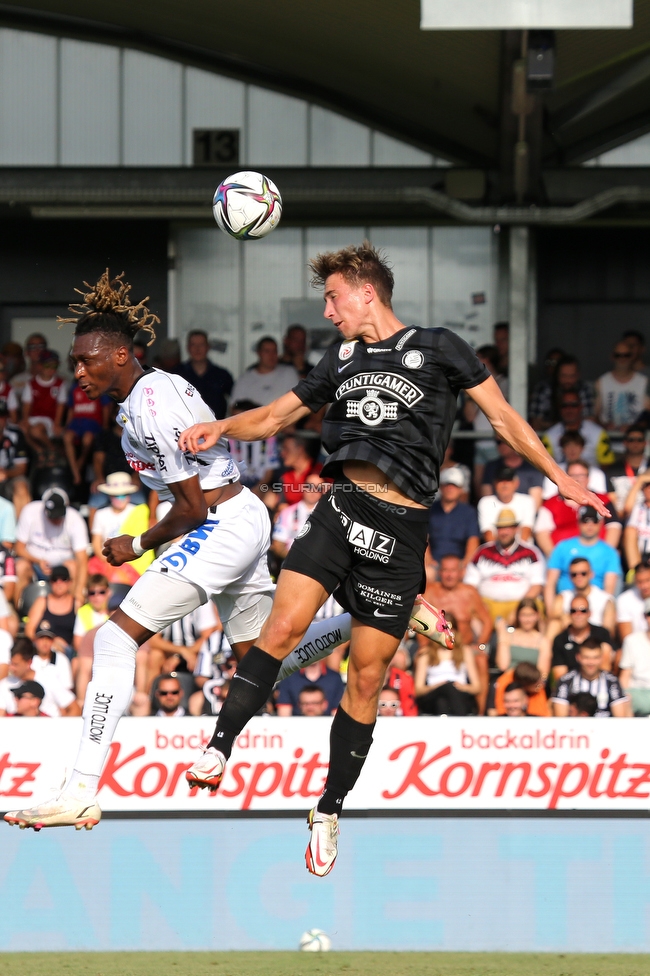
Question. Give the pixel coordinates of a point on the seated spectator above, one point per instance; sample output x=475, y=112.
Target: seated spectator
x=635, y=668
x=462, y=601
x=604, y=560
x=484, y=450
x=635, y=342
x=109, y=458
x=573, y=444
x=636, y=537
x=545, y=403
x=524, y=641
x=120, y=517
x=582, y=705
x=89, y=617
x=291, y=519
x=42, y=401
x=526, y=675
x=314, y=674
x=602, y=610
x=50, y=533
x=58, y=699
x=214, y=383
x=449, y=462
x=630, y=615
x=35, y=344
x=29, y=700
x=294, y=350
x=6, y=643
x=506, y=571
x=446, y=682
x=14, y=463
x=622, y=393
x=590, y=676
x=622, y=474
x=7, y=524
x=401, y=682
x=256, y=459
x=389, y=704
x=177, y=648
x=209, y=701
x=167, y=698
x=557, y=519
x=312, y=701
x=515, y=701
x=48, y=658
x=530, y=479
x=56, y=610
x=267, y=379
x=579, y=629
x=453, y=526
x=297, y=464
x=597, y=448
x=86, y=418
x=506, y=495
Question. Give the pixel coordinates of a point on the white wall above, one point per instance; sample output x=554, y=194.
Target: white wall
x=73, y=103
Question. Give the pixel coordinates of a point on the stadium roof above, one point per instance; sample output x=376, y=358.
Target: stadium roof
x=449, y=92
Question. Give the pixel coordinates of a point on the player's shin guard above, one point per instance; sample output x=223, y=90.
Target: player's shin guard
x=250, y=688
x=107, y=698
x=319, y=642
x=350, y=742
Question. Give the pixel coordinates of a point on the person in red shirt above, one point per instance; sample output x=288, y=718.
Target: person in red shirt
x=398, y=678
x=557, y=519
x=86, y=418
x=298, y=465
x=42, y=400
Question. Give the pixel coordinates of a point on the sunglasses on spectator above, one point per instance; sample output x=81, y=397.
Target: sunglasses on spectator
x=162, y=694
x=388, y=704
x=638, y=438
x=97, y=592
x=580, y=572
x=579, y=610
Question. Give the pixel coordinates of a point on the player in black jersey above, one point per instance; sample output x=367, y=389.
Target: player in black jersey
x=393, y=392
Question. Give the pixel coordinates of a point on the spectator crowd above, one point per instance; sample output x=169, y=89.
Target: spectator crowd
x=549, y=602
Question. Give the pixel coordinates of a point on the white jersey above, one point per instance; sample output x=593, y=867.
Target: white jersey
x=159, y=407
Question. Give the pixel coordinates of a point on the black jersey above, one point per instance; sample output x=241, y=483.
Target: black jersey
x=393, y=403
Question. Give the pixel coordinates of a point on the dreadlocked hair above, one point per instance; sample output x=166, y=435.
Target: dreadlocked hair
x=357, y=265
x=107, y=308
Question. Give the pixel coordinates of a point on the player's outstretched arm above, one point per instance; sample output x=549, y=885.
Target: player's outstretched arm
x=251, y=425
x=520, y=436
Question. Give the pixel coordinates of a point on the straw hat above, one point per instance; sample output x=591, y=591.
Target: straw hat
x=118, y=483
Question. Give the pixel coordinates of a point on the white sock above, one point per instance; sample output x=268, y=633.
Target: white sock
x=107, y=697
x=319, y=642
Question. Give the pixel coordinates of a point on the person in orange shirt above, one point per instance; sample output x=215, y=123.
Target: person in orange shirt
x=530, y=679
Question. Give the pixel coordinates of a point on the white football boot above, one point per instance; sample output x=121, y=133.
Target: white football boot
x=61, y=811
x=207, y=772
x=430, y=622
x=323, y=844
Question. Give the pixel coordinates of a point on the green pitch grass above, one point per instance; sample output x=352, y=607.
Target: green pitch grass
x=317, y=964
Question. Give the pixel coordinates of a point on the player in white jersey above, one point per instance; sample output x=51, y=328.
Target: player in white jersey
x=221, y=553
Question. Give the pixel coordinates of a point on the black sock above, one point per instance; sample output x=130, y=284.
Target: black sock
x=251, y=686
x=349, y=744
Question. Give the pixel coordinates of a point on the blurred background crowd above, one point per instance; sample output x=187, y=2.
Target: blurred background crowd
x=550, y=603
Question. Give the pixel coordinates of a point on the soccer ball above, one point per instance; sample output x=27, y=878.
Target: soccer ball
x=315, y=941
x=247, y=206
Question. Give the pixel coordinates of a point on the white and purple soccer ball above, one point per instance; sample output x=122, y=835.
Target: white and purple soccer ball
x=315, y=940
x=247, y=206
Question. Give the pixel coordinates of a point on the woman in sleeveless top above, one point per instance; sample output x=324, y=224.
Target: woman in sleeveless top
x=446, y=682
x=57, y=609
x=524, y=641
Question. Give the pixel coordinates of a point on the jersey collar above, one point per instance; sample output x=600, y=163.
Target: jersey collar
x=147, y=371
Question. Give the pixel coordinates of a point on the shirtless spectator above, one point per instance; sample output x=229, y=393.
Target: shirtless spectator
x=557, y=519
x=506, y=495
x=462, y=601
x=573, y=444
x=602, y=610
x=530, y=479
x=630, y=613
x=506, y=571
x=567, y=644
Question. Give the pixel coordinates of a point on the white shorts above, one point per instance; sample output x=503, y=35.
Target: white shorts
x=225, y=558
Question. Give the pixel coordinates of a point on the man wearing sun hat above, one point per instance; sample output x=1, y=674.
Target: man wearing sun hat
x=506, y=570
x=119, y=517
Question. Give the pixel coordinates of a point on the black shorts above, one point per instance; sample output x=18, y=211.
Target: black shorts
x=368, y=552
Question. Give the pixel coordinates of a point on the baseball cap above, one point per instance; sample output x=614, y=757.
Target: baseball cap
x=55, y=502
x=506, y=518
x=60, y=573
x=49, y=356
x=29, y=688
x=587, y=513
x=452, y=476
x=45, y=630
x=505, y=474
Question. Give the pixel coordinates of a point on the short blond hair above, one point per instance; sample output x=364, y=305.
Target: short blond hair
x=358, y=266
